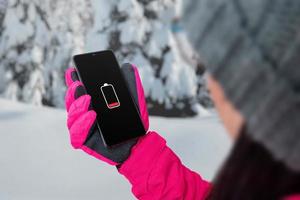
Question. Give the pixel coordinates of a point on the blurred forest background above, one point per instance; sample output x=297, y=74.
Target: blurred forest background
x=38, y=39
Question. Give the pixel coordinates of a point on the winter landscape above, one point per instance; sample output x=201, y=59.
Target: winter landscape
x=37, y=41
x=37, y=161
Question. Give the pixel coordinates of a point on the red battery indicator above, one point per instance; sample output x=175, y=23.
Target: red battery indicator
x=110, y=96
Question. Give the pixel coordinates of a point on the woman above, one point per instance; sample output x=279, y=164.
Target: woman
x=254, y=79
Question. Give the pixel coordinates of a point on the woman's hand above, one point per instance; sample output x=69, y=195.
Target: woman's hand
x=81, y=118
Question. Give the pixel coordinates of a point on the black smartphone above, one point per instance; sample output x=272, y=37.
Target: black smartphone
x=118, y=116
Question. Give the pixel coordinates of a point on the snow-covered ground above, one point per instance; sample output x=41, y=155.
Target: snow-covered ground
x=37, y=162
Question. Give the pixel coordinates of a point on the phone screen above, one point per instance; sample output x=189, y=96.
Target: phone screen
x=117, y=115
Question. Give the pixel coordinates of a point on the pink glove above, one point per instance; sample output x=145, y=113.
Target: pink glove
x=152, y=168
x=81, y=118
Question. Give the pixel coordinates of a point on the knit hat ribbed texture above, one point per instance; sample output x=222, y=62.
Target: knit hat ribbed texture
x=253, y=49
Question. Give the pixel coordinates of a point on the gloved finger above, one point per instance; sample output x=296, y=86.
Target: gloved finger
x=71, y=76
x=75, y=90
x=78, y=108
x=141, y=99
x=81, y=128
x=132, y=77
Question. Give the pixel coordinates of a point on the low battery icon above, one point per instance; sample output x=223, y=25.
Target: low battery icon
x=110, y=96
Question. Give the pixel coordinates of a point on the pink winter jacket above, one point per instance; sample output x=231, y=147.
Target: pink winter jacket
x=155, y=172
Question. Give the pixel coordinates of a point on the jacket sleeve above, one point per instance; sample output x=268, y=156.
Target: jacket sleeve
x=155, y=172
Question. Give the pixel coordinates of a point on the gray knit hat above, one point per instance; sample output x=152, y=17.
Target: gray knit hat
x=253, y=49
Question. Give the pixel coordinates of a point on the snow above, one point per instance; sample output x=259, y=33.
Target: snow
x=37, y=161
x=40, y=39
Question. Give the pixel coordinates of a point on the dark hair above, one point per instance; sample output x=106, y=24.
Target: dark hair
x=250, y=172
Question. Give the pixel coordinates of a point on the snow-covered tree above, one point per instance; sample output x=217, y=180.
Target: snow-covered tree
x=38, y=38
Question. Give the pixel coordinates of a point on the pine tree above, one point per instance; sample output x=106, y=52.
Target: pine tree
x=39, y=37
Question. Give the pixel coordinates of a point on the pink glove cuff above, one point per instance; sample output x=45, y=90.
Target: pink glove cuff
x=155, y=172
x=139, y=164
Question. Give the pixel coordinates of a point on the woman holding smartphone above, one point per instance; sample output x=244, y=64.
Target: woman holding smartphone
x=251, y=50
